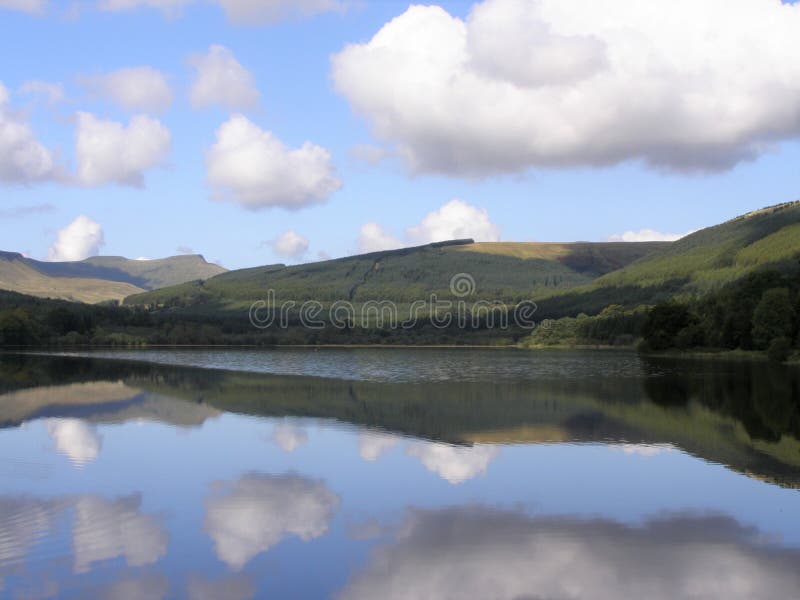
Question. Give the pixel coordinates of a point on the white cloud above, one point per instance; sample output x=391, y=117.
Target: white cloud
x=23, y=159
x=106, y=529
x=28, y=6
x=454, y=220
x=262, y=510
x=371, y=445
x=288, y=437
x=372, y=237
x=456, y=464
x=519, y=84
x=134, y=88
x=76, y=439
x=221, y=80
x=108, y=151
x=254, y=168
x=290, y=244
x=646, y=235
x=483, y=553
x=153, y=586
x=78, y=240
x=49, y=91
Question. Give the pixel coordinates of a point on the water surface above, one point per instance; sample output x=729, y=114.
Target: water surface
x=397, y=474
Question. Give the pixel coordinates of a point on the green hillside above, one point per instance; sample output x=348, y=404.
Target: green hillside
x=98, y=278
x=702, y=262
x=717, y=255
x=505, y=272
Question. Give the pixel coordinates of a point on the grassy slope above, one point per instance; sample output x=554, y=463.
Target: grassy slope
x=696, y=264
x=18, y=276
x=720, y=254
x=98, y=278
x=502, y=271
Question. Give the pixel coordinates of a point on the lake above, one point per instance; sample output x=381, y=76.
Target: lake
x=397, y=473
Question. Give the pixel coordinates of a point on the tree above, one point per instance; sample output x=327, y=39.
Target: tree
x=773, y=317
x=663, y=324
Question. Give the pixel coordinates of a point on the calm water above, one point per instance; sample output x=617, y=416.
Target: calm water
x=397, y=474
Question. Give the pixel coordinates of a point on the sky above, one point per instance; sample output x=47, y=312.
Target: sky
x=263, y=131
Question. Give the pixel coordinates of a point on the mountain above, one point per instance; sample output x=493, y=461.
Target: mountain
x=100, y=277
x=695, y=265
x=501, y=271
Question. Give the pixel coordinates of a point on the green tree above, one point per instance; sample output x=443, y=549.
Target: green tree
x=773, y=317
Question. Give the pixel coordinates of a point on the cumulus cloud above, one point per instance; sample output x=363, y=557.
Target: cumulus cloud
x=290, y=244
x=520, y=83
x=75, y=438
x=221, y=80
x=28, y=6
x=289, y=437
x=371, y=445
x=23, y=159
x=372, y=237
x=78, y=240
x=454, y=220
x=134, y=88
x=110, y=152
x=254, y=168
x=261, y=510
x=646, y=235
x=105, y=529
x=456, y=464
x=483, y=553
x=49, y=91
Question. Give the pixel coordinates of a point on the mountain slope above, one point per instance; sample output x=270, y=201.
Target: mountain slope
x=98, y=278
x=694, y=265
x=501, y=271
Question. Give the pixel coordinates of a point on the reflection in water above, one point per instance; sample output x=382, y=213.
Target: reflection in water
x=107, y=529
x=78, y=440
x=456, y=464
x=260, y=510
x=232, y=587
x=479, y=553
x=102, y=529
x=643, y=449
x=196, y=522
x=23, y=521
x=153, y=586
x=289, y=437
x=372, y=444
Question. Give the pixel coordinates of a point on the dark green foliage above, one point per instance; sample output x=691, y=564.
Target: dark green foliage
x=773, y=317
x=664, y=323
x=779, y=349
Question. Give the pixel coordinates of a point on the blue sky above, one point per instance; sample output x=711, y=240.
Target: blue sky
x=290, y=61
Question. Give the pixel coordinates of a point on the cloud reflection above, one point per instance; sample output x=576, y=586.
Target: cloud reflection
x=479, y=553
x=261, y=510
x=289, y=437
x=76, y=439
x=456, y=464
